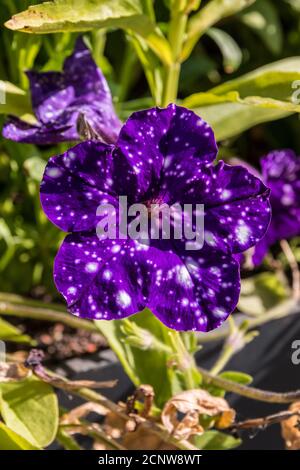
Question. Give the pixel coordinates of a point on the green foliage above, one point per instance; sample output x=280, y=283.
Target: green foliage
x=9, y=440
x=29, y=408
x=145, y=348
x=215, y=440
x=238, y=377
x=262, y=95
x=233, y=376
x=71, y=15
x=160, y=40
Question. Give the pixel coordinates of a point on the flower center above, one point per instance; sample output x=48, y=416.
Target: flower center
x=153, y=204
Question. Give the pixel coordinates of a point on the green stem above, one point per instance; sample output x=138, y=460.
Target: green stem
x=66, y=441
x=224, y=358
x=231, y=346
x=177, y=30
x=171, y=81
x=250, y=392
x=45, y=314
x=25, y=301
x=130, y=72
x=148, y=9
x=185, y=360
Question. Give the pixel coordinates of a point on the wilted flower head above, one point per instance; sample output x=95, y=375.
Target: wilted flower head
x=281, y=173
x=166, y=155
x=59, y=98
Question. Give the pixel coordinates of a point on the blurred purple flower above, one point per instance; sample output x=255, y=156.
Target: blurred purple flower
x=281, y=173
x=166, y=155
x=59, y=98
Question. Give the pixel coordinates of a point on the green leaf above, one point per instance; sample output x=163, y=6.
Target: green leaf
x=272, y=80
x=144, y=365
x=232, y=54
x=231, y=119
x=215, y=440
x=71, y=15
x=9, y=332
x=234, y=376
x=261, y=293
x=210, y=14
x=264, y=19
x=238, y=377
x=13, y=100
x=229, y=108
x=9, y=440
x=30, y=409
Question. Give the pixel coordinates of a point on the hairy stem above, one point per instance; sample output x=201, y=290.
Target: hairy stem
x=225, y=356
x=250, y=392
x=185, y=360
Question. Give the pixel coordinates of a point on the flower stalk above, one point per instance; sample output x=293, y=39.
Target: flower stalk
x=177, y=29
x=236, y=341
x=184, y=361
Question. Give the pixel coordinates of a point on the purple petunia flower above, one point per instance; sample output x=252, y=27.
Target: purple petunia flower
x=59, y=99
x=166, y=155
x=281, y=173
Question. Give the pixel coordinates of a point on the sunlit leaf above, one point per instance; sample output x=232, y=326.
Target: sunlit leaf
x=262, y=95
x=30, y=409
x=9, y=440
x=84, y=15
x=272, y=80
